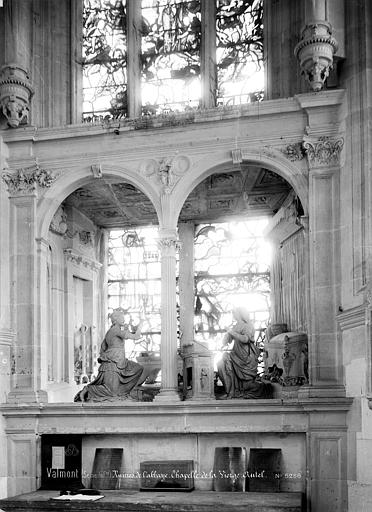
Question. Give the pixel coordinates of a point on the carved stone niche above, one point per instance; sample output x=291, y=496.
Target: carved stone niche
x=286, y=359
x=198, y=373
x=15, y=94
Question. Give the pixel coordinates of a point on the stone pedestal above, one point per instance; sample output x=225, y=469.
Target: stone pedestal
x=198, y=374
x=288, y=352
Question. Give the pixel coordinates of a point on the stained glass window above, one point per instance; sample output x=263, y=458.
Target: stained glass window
x=134, y=278
x=239, y=32
x=104, y=59
x=170, y=55
x=171, y=32
x=231, y=269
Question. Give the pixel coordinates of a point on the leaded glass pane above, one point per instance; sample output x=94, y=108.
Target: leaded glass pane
x=239, y=54
x=104, y=59
x=134, y=283
x=231, y=269
x=170, y=55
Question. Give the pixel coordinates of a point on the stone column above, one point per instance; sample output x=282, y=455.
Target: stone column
x=168, y=243
x=325, y=365
x=23, y=191
x=208, y=66
x=186, y=231
x=134, y=22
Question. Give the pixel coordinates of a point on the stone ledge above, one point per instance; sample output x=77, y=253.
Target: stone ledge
x=179, y=418
x=198, y=501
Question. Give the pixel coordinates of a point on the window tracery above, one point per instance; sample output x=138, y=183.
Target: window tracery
x=171, y=37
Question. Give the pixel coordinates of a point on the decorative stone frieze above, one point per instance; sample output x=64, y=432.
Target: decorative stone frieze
x=324, y=151
x=15, y=94
x=315, y=53
x=166, y=170
x=24, y=181
x=79, y=259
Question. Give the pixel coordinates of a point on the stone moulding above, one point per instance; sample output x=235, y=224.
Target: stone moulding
x=324, y=151
x=25, y=180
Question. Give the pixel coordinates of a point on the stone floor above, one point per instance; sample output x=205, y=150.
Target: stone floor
x=134, y=501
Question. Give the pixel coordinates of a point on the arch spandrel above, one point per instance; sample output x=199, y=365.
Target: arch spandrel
x=268, y=158
x=68, y=182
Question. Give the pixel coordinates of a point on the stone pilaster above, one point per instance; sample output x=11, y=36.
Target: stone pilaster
x=23, y=188
x=325, y=365
x=169, y=244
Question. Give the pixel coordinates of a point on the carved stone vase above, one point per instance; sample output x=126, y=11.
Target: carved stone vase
x=315, y=53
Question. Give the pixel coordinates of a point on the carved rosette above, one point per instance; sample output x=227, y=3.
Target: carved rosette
x=15, y=95
x=315, y=53
x=166, y=171
x=323, y=152
x=25, y=181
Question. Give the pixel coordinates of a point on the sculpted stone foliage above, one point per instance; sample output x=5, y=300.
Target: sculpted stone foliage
x=25, y=180
x=294, y=152
x=324, y=151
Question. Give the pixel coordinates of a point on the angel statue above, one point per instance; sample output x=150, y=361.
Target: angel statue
x=117, y=375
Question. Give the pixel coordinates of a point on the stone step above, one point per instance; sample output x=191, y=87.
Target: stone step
x=135, y=501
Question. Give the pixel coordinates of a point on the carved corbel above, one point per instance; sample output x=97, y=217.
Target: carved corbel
x=15, y=95
x=166, y=171
x=25, y=180
x=323, y=152
x=315, y=53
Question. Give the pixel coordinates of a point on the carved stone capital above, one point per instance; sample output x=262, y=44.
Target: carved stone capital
x=24, y=181
x=166, y=170
x=315, y=53
x=324, y=151
x=168, y=245
x=15, y=95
